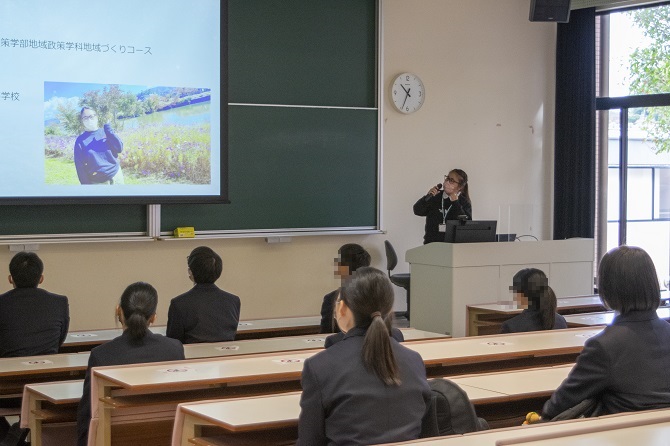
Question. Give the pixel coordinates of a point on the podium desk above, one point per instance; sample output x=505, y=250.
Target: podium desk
x=446, y=277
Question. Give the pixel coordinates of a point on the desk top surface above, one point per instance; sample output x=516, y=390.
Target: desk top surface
x=645, y=433
x=58, y=392
x=518, y=383
x=99, y=336
x=289, y=365
x=565, y=303
x=264, y=412
x=604, y=317
x=492, y=437
x=287, y=343
x=31, y=365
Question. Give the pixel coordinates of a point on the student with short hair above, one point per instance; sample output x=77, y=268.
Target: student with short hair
x=351, y=256
x=136, y=312
x=367, y=388
x=532, y=291
x=205, y=313
x=625, y=367
x=33, y=321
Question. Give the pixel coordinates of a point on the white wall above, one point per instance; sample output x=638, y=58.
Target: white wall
x=489, y=104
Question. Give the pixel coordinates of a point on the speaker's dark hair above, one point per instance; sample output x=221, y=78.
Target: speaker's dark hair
x=138, y=303
x=464, y=182
x=369, y=296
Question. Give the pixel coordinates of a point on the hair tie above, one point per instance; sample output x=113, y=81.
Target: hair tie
x=375, y=314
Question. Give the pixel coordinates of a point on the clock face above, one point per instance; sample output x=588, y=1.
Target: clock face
x=407, y=93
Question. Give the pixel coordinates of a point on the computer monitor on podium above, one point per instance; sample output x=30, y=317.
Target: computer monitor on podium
x=470, y=231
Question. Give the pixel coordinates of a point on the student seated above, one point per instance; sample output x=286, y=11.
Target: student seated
x=205, y=313
x=136, y=311
x=367, y=388
x=532, y=292
x=625, y=367
x=32, y=320
x=350, y=257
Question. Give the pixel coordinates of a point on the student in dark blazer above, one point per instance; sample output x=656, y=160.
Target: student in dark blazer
x=350, y=257
x=367, y=388
x=32, y=320
x=625, y=367
x=532, y=291
x=136, y=311
x=205, y=313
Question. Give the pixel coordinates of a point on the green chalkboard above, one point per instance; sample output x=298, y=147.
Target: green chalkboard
x=293, y=168
x=297, y=167
x=72, y=219
x=311, y=166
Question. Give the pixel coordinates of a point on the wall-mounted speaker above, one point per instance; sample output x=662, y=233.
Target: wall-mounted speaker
x=549, y=10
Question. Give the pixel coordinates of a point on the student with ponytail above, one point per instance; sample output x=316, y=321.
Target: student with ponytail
x=367, y=388
x=136, y=311
x=532, y=291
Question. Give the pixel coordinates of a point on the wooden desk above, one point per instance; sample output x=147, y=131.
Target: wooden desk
x=605, y=318
x=51, y=403
x=289, y=343
x=486, y=319
x=137, y=386
x=254, y=420
x=598, y=424
x=85, y=340
x=276, y=416
x=646, y=432
x=17, y=372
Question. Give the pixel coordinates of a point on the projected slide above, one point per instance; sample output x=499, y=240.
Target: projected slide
x=111, y=100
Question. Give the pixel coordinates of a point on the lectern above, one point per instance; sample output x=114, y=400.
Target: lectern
x=446, y=277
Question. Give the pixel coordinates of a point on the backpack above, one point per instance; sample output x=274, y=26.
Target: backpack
x=450, y=411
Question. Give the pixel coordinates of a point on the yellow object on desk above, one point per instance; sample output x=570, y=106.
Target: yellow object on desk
x=185, y=232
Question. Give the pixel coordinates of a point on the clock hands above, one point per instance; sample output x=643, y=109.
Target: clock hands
x=407, y=95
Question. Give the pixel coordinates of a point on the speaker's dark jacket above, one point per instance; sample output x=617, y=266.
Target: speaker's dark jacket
x=625, y=367
x=432, y=210
x=205, y=313
x=343, y=403
x=32, y=322
x=119, y=351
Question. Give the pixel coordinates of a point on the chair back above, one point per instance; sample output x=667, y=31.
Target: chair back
x=391, y=257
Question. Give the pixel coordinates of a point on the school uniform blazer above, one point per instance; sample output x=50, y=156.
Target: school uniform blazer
x=119, y=351
x=328, y=323
x=203, y=314
x=343, y=403
x=530, y=320
x=625, y=367
x=32, y=322
x=337, y=337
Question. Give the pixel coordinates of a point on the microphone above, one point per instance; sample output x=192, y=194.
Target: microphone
x=429, y=195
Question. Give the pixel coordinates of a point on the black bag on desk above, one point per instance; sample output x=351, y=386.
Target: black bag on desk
x=450, y=411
